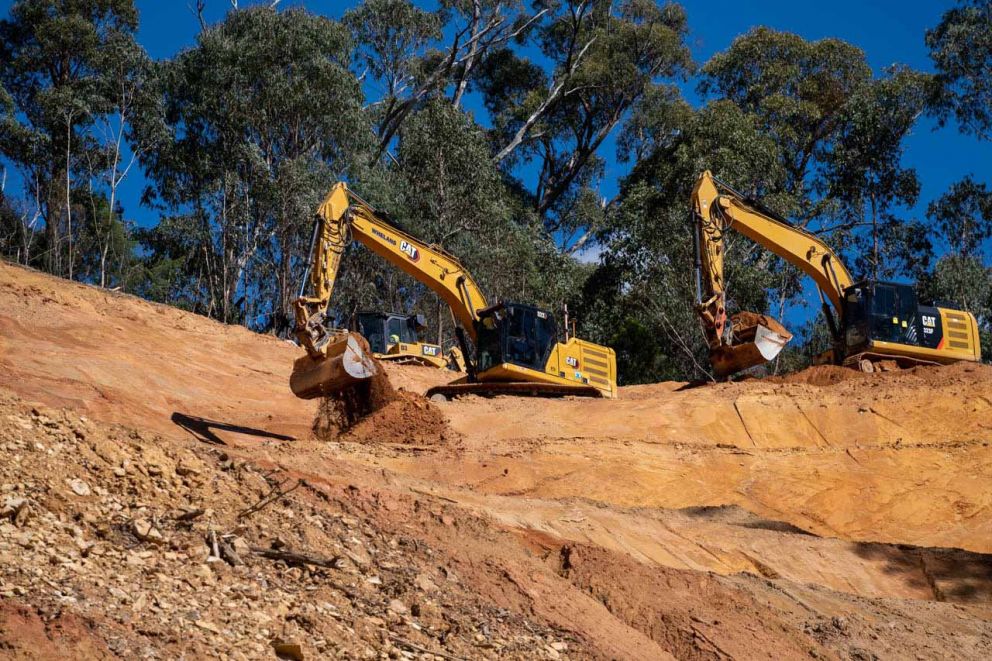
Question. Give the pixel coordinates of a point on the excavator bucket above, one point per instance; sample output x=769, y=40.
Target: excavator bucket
x=346, y=361
x=757, y=339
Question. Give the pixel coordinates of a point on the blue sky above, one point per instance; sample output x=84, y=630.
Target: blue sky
x=889, y=31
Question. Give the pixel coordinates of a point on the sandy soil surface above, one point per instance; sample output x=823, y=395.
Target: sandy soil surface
x=826, y=514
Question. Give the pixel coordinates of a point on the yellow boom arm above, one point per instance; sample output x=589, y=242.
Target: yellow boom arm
x=718, y=208
x=720, y=212
x=343, y=216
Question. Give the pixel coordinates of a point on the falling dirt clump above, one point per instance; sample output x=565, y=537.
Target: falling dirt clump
x=407, y=420
x=374, y=412
x=340, y=412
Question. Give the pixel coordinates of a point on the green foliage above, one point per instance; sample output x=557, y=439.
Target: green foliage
x=866, y=177
x=391, y=35
x=606, y=58
x=961, y=48
x=798, y=89
x=258, y=118
x=54, y=77
x=499, y=239
x=964, y=215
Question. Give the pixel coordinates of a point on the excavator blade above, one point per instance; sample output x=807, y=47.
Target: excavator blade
x=346, y=361
x=757, y=339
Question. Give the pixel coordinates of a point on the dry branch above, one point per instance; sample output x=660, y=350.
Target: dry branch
x=274, y=494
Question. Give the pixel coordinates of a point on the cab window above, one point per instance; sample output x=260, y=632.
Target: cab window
x=894, y=314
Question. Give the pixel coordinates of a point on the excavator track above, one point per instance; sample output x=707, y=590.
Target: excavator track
x=517, y=389
x=869, y=362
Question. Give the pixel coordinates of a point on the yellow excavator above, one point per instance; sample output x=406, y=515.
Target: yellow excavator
x=514, y=347
x=395, y=338
x=874, y=325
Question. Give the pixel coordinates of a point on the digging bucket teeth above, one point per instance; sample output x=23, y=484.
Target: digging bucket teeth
x=345, y=361
x=757, y=340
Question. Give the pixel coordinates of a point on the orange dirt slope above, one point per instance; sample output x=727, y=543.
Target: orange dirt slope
x=823, y=513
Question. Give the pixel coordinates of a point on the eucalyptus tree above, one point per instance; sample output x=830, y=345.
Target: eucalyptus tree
x=867, y=180
x=258, y=119
x=416, y=54
x=605, y=58
x=961, y=49
x=52, y=50
x=476, y=217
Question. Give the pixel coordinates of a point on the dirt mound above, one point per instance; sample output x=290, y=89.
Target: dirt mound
x=374, y=412
x=939, y=376
x=956, y=374
x=819, y=375
x=409, y=419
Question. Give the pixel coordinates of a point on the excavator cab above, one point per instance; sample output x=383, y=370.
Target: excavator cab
x=385, y=331
x=881, y=315
x=517, y=334
x=395, y=338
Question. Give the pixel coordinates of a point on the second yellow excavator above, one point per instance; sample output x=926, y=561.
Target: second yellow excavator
x=514, y=347
x=395, y=338
x=872, y=324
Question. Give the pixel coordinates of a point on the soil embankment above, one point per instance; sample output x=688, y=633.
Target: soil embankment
x=142, y=449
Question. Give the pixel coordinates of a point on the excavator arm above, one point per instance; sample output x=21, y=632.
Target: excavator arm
x=752, y=338
x=344, y=216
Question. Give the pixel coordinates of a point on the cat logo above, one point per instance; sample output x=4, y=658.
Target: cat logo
x=410, y=250
x=431, y=350
x=929, y=321
x=572, y=362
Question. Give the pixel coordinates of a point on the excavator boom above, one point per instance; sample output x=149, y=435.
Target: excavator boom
x=336, y=360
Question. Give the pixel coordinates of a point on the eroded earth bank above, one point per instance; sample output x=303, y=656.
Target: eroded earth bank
x=163, y=494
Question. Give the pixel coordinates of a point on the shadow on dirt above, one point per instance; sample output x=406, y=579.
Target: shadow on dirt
x=204, y=429
x=950, y=574
x=947, y=574
x=692, y=385
x=738, y=516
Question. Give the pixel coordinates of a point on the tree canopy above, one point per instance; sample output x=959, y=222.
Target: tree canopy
x=484, y=127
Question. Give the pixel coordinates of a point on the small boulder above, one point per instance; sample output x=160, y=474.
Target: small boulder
x=79, y=487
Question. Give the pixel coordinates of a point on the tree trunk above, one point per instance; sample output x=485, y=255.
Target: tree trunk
x=103, y=264
x=68, y=186
x=874, y=237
